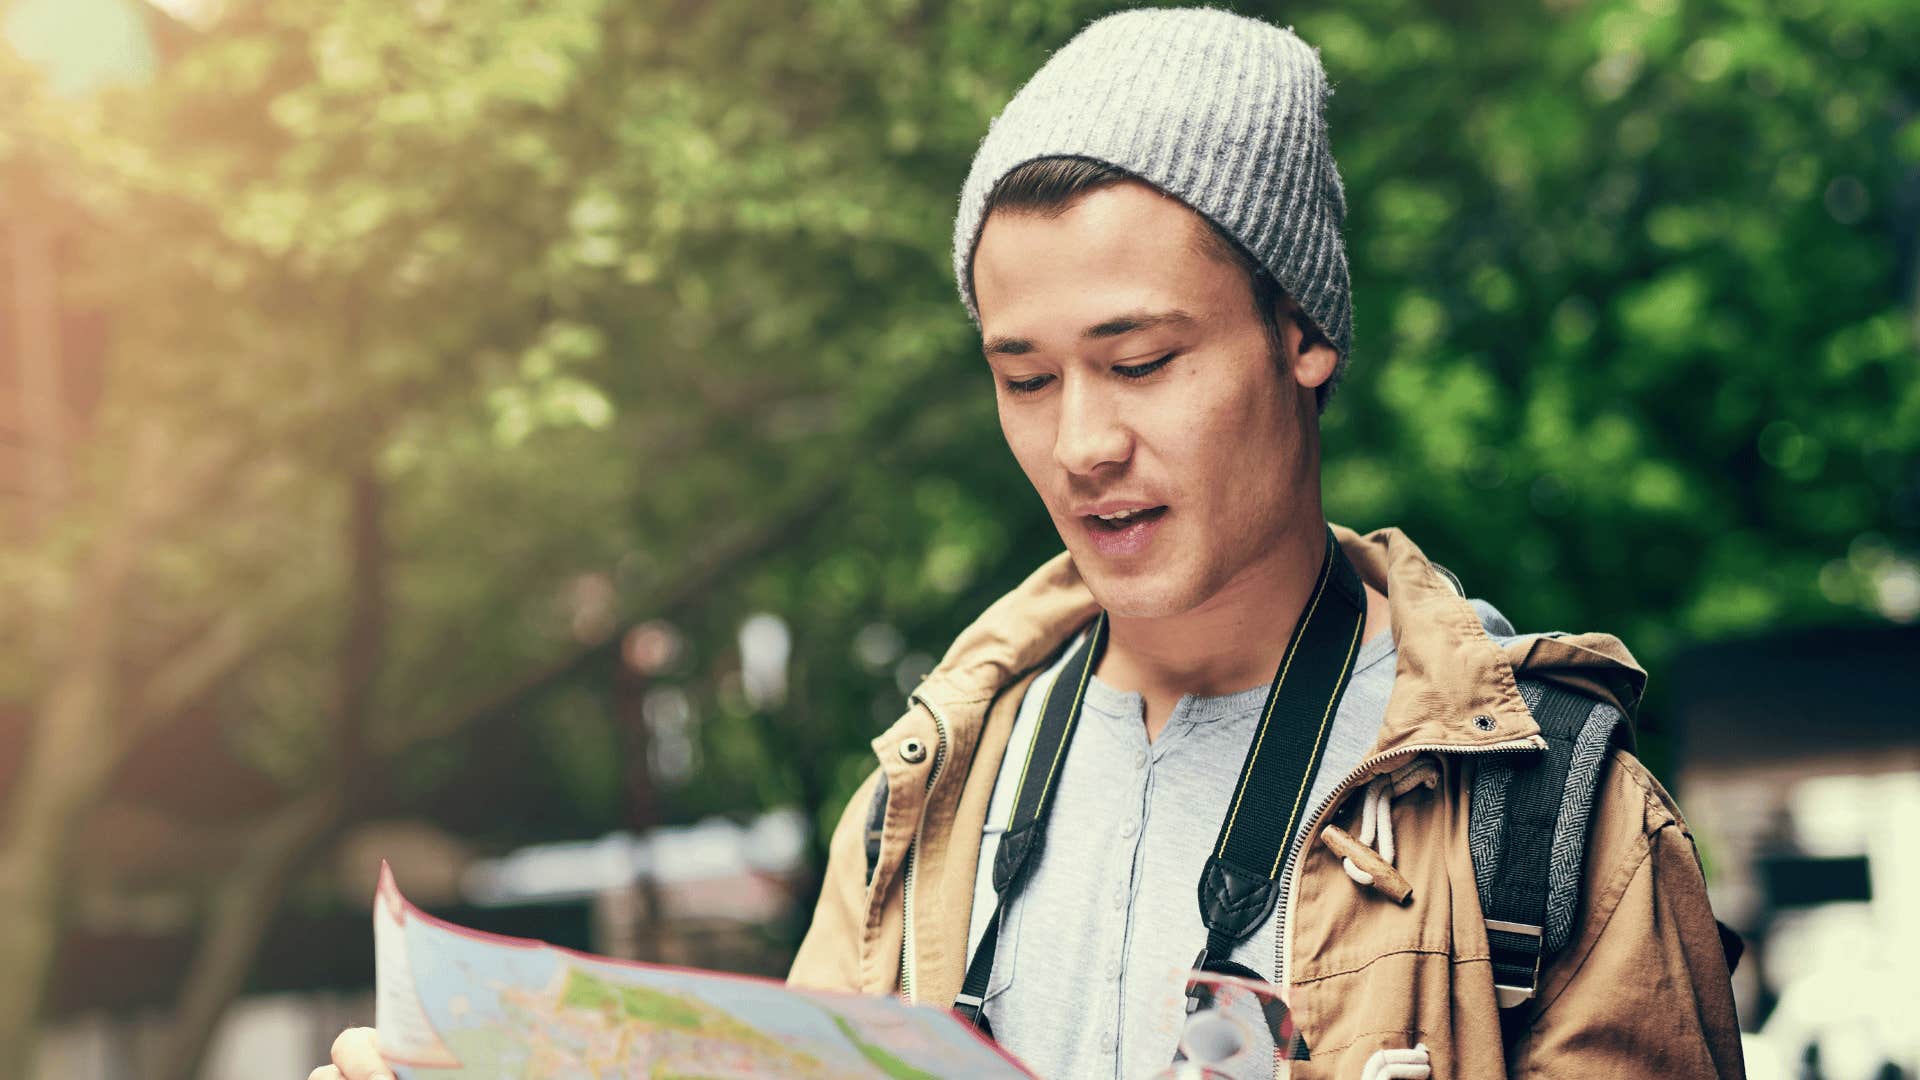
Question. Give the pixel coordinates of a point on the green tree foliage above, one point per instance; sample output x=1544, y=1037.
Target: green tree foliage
x=1637, y=346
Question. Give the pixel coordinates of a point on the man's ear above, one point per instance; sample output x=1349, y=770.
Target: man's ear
x=1315, y=363
x=1309, y=353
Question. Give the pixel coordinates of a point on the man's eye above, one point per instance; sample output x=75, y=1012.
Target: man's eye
x=1141, y=371
x=1026, y=386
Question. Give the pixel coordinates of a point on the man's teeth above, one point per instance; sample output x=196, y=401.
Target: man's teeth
x=1120, y=516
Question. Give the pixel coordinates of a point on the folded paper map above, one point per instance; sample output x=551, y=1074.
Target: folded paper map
x=454, y=1002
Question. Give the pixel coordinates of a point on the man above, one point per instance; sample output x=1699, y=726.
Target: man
x=1150, y=243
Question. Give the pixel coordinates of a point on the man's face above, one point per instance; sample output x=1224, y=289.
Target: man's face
x=1132, y=374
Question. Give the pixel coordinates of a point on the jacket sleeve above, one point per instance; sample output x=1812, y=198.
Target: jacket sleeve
x=1643, y=988
x=829, y=956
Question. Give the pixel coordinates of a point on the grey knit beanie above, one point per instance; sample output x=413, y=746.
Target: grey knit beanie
x=1221, y=111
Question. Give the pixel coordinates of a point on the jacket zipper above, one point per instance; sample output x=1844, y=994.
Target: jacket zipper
x=1283, y=942
x=913, y=854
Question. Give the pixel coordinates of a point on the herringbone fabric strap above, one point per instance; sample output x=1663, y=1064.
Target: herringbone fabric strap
x=1527, y=830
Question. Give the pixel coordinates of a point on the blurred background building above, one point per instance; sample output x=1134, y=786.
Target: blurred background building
x=538, y=445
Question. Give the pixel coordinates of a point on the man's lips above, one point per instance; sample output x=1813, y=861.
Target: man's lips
x=1115, y=506
x=1141, y=514
x=1124, y=539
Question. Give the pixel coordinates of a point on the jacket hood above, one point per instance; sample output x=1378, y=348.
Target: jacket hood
x=1453, y=671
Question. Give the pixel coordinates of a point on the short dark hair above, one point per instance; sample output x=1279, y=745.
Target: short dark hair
x=1048, y=186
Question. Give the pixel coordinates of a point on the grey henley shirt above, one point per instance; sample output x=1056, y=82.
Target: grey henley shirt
x=1090, y=971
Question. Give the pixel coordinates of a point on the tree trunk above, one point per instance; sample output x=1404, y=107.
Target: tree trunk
x=74, y=745
x=69, y=760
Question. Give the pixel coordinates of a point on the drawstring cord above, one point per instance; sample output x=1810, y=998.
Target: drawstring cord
x=1376, y=816
x=1398, y=1064
x=1368, y=859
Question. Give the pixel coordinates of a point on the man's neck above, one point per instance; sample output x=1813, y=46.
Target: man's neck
x=1230, y=643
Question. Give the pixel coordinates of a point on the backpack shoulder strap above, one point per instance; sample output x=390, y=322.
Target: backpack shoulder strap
x=1528, y=822
x=876, y=824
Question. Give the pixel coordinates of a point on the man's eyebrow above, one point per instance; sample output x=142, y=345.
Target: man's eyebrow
x=1126, y=323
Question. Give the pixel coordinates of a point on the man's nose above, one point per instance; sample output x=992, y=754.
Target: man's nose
x=1091, y=432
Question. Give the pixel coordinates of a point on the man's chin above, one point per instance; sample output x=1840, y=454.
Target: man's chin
x=1149, y=594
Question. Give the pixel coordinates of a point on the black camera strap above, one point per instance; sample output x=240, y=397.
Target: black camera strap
x=1241, y=881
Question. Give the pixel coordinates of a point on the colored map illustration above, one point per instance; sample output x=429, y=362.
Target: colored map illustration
x=454, y=1003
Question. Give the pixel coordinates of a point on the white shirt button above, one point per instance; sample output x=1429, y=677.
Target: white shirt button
x=1119, y=900
x=1139, y=759
x=1129, y=829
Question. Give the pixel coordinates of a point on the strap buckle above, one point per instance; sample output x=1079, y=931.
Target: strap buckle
x=968, y=1006
x=1510, y=958
x=1198, y=997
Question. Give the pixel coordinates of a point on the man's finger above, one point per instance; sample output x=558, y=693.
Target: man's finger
x=357, y=1054
x=324, y=1072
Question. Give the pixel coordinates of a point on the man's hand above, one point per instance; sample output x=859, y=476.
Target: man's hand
x=356, y=1056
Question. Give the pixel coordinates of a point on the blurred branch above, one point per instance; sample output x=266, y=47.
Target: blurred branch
x=727, y=558
x=887, y=428
x=91, y=637
x=240, y=632
x=244, y=906
x=235, y=636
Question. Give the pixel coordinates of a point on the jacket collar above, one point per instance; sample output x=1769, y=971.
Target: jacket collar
x=1450, y=676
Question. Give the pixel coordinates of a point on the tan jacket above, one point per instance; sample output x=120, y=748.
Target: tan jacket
x=1640, y=990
